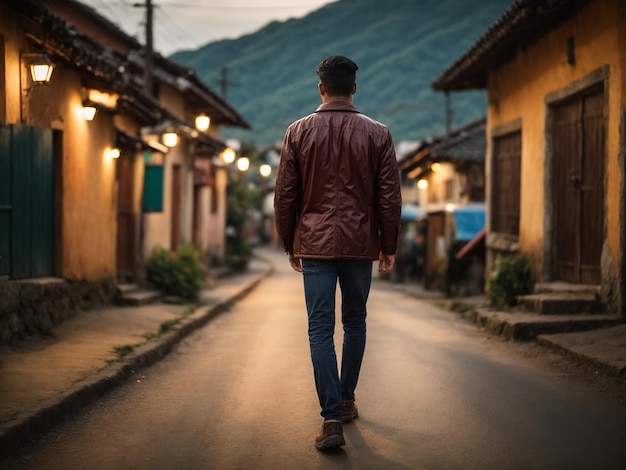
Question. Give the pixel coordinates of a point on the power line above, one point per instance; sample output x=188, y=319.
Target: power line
x=175, y=34
x=240, y=7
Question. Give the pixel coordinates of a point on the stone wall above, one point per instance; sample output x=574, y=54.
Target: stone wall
x=34, y=307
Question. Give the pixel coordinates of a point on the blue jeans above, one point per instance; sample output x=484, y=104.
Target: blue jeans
x=320, y=284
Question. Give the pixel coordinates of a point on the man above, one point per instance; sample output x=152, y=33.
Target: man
x=337, y=208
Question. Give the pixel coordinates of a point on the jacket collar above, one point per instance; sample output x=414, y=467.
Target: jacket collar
x=337, y=106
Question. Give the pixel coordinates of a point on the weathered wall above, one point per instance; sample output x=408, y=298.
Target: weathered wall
x=216, y=240
x=518, y=90
x=88, y=205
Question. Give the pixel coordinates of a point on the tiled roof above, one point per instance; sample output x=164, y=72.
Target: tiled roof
x=100, y=67
x=466, y=143
x=521, y=25
x=93, y=57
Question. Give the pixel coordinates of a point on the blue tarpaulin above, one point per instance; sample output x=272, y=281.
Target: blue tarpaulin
x=469, y=220
x=411, y=212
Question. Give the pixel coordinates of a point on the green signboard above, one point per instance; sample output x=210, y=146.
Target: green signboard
x=153, y=189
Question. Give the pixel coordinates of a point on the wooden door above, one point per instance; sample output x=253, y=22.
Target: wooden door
x=27, y=215
x=175, y=226
x=435, y=241
x=126, y=219
x=578, y=184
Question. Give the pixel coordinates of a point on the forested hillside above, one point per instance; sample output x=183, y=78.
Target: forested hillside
x=401, y=46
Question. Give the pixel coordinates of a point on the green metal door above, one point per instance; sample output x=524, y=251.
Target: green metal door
x=5, y=201
x=26, y=202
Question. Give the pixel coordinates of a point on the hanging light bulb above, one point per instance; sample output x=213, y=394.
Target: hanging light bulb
x=243, y=164
x=203, y=122
x=228, y=155
x=265, y=170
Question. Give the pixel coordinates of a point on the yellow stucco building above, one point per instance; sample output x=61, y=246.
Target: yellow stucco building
x=556, y=144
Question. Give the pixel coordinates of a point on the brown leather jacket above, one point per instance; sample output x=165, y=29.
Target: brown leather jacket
x=337, y=191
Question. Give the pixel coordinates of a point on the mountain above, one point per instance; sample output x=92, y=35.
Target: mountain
x=401, y=46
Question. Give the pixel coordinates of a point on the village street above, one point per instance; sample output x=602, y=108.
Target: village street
x=435, y=392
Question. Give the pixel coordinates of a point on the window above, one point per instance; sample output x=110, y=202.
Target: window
x=505, y=195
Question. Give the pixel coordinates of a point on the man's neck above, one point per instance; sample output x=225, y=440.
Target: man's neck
x=329, y=99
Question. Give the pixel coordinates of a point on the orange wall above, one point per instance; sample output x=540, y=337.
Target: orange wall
x=87, y=218
x=518, y=90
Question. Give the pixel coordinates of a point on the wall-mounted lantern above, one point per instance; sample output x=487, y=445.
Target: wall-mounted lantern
x=422, y=184
x=435, y=167
x=89, y=110
x=41, y=68
x=170, y=138
x=203, y=122
x=115, y=152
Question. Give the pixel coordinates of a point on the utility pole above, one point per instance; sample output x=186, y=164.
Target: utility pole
x=448, y=114
x=149, y=70
x=224, y=82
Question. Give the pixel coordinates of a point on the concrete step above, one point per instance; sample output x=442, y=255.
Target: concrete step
x=527, y=326
x=561, y=303
x=126, y=288
x=140, y=297
x=565, y=288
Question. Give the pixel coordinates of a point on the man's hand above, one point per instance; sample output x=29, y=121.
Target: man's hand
x=295, y=263
x=385, y=263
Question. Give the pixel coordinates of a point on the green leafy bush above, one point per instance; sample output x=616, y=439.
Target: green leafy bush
x=511, y=277
x=239, y=201
x=179, y=273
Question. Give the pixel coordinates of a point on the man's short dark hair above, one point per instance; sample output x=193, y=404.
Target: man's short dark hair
x=337, y=74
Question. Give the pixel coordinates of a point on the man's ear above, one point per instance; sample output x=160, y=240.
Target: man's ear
x=321, y=89
x=354, y=89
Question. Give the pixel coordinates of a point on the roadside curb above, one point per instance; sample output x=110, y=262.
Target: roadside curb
x=610, y=369
x=55, y=409
x=528, y=326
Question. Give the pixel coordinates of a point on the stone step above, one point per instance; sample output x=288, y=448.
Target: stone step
x=126, y=288
x=527, y=326
x=560, y=303
x=140, y=297
x=565, y=288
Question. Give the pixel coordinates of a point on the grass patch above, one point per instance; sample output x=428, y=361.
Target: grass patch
x=124, y=350
x=456, y=306
x=167, y=325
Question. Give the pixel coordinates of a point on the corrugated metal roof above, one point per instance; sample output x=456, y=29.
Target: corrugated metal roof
x=521, y=25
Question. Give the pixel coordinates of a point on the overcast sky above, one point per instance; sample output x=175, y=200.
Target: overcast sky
x=189, y=24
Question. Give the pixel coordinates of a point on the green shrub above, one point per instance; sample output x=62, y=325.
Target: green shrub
x=510, y=278
x=177, y=273
x=239, y=200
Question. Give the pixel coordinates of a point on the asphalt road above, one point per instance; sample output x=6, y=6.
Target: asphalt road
x=435, y=393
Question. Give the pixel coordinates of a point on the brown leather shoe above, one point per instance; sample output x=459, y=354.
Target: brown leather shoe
x=349, y=411
x=331, y=436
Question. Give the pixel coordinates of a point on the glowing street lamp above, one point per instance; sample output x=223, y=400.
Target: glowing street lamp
x=203, y=122
x=243, y=164
x=265, y=170
x=228, y=155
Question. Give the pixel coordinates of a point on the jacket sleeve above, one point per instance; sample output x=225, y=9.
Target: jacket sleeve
x=287, y=194
x=389, y=198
